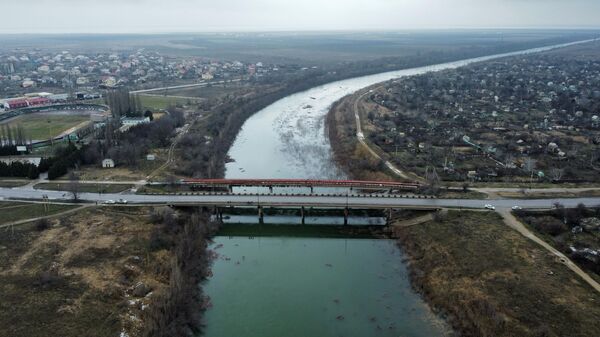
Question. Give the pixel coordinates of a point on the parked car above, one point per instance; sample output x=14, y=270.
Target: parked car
x=121, y=201
x=517, y=208
x=490, y=207
x=110, y=202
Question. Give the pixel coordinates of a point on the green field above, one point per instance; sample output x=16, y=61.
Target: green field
x=44, y=126
x=12, y=183
x=15, y=211
x=160, y=102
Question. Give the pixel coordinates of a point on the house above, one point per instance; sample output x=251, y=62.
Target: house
x=150, y=157
x=108, y=163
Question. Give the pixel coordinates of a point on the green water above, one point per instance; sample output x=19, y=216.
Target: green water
x=265, y=287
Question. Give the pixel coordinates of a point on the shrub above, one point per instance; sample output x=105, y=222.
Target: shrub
x=42, y=224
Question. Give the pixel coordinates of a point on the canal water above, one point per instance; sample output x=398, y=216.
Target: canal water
x=287, y=139
x=311, y=286
x=273, y=287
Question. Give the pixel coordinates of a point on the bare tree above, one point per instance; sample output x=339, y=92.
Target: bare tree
x=530, y=165
x=509, y=160
x=74, y=185
x=557, y=173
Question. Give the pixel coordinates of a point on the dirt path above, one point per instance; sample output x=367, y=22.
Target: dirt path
x=361, y=139
x=170, y=153
x=515, y=224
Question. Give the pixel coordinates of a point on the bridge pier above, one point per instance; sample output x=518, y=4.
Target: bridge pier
x=270, y=189
x=388, y=219
x=312, y=190
x=346, y=212
x=230, y=188
x=302, y=214
x=261, y=215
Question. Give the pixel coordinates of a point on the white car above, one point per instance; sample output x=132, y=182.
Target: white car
x=110, y=202
x=122, y=201
x=488, y=206
x=517, y=208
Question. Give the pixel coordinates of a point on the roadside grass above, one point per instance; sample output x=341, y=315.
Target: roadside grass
x=11, y=184
x=491, y=281
x=71, y=279
x=121, y=173
x=16, y=211
x=86, y=188
x=548, y=195
x=453, y=194
x=44, y=126
x=535, y=221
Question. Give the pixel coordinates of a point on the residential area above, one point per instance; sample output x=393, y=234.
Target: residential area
x=524, y=118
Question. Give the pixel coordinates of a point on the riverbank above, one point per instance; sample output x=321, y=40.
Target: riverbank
x=348, y=153
x=103, y=272
x=490, y=281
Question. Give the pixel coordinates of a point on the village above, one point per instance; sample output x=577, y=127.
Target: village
x=525, y=118
x=67, y=72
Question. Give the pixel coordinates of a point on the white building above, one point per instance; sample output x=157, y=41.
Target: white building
x=108, y=163
x=132, y=121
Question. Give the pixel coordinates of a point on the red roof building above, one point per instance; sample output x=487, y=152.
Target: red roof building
x=17, y=103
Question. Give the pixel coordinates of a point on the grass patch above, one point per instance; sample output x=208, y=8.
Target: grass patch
x=491, y=281
x=15, y=211
x=11, y=184
x=549, y=195
x=86, y=188
x=161, y=102
x=46, y=126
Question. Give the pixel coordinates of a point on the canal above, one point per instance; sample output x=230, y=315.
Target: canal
x=285, y=286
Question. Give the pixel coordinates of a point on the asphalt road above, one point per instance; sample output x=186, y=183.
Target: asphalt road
x=352, y=200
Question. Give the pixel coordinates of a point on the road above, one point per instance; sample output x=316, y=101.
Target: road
x=314, y=200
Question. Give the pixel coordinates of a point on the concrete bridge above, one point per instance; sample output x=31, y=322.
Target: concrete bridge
x=343, y=201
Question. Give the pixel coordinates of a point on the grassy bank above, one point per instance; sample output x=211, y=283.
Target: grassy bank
x=490, y=281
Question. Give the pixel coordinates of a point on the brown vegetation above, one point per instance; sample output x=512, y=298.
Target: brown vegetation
x=100, y=272
x=490, y=281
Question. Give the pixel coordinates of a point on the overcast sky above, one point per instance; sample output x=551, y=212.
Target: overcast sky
x=151, y=16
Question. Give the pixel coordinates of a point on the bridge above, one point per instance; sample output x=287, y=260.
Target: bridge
x=342, y=201
x=309, y=183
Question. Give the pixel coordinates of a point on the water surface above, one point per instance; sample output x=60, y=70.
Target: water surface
x=298, y=287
